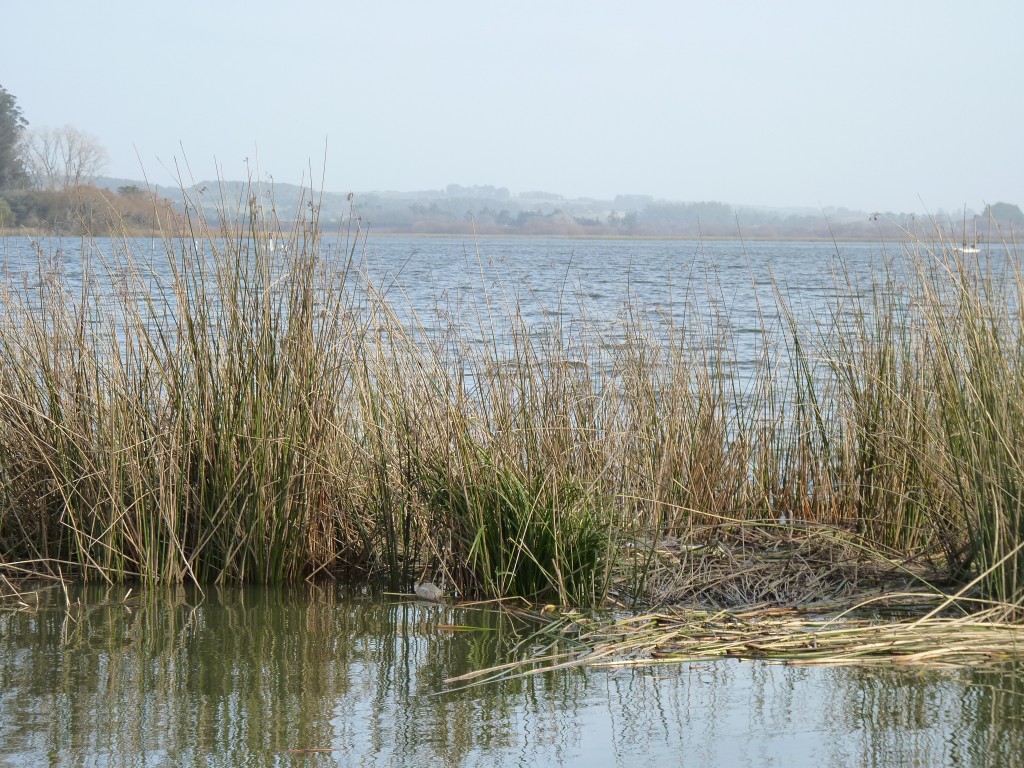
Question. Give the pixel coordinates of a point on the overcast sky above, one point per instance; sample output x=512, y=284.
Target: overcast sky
x=900, y=106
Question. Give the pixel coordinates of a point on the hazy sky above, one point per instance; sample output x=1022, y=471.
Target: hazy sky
x=895, y=105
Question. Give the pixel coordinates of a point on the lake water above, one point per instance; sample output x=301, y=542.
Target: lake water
x=592, y=289
x=540, y=277
x=246, y=677
x=462, y=292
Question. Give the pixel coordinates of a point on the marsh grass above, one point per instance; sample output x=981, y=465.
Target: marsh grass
x=243, y=403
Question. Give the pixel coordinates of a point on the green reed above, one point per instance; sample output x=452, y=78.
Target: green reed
x=265, y=412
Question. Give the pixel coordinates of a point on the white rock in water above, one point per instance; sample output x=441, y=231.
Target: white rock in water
x=428, y=591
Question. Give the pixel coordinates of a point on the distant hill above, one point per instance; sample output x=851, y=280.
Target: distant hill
x=486, y=210
x=211, y=196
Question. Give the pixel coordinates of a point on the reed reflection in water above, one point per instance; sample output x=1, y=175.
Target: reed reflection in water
x=261, y=677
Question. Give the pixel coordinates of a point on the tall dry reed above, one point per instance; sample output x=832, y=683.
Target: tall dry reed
x=257, y=409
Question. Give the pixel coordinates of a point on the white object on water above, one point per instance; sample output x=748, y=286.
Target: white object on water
x=428, y=591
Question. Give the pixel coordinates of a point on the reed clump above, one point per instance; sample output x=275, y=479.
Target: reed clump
x=237, y=401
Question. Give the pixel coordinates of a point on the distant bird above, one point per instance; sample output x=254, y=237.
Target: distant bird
x=429, y=592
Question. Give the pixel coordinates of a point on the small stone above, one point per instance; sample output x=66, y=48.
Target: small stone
x=428, y=591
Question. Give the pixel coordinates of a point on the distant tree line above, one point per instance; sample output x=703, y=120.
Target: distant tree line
x=594, y=218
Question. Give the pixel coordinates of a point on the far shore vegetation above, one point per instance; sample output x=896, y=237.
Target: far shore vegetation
x=109, y=207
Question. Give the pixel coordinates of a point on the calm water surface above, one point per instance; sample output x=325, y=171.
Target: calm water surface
x=239, y=677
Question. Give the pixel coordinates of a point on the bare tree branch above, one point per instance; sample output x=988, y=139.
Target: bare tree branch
x=62, y=158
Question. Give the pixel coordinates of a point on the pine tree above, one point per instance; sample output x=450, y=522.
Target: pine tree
x=12, y=127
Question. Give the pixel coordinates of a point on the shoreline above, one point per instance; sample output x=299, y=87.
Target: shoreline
x=37, y=232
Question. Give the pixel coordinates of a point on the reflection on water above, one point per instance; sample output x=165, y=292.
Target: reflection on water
x=242, y=676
